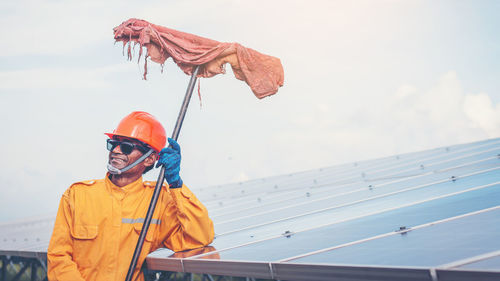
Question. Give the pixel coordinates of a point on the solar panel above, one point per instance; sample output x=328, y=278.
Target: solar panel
x=429, y=215
x=29, y=237
x=369, y=225
x=430, y=245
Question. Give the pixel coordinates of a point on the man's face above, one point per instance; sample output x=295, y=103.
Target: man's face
x=120, y=160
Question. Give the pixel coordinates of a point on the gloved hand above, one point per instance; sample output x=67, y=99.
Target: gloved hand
x=170, y=158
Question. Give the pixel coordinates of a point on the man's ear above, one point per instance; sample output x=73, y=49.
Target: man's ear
x=151, y=159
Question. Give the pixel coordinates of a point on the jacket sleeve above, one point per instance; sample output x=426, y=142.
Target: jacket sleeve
x=60, y=265
x=185, y=222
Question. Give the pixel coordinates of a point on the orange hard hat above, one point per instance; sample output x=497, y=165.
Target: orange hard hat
x=144, y=127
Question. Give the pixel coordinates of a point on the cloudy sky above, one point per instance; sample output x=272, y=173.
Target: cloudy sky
x=363, y=79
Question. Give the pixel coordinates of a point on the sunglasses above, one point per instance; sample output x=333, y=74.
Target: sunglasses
x=125, y=146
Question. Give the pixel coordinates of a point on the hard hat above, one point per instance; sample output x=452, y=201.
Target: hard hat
x=144, y=127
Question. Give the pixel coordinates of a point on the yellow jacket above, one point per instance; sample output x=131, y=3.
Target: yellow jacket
x=98, y=225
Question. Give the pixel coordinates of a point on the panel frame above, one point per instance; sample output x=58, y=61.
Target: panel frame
x=467, y=275
x=25, y=254
x=318, y=272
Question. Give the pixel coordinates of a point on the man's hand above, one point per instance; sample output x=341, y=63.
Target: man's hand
x=170, y=158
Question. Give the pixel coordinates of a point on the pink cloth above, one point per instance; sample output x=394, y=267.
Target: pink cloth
x=263, y=73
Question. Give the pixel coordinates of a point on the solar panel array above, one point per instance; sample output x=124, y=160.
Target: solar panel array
x=27, y=238
x=430, y=215
x=420, y=215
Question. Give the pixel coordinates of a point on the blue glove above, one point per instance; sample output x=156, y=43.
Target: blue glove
x=170, y=158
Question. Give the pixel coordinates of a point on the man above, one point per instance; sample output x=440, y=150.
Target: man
x=99, y=221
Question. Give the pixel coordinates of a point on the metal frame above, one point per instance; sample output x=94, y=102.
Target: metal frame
x=315, y=272
x=466, y=275
x=319, y=272
x=151, y=275
x=18, y=268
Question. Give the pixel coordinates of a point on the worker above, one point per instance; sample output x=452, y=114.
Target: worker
x=99, y=221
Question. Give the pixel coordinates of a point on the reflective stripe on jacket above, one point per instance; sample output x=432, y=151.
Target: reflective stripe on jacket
x=98, y=225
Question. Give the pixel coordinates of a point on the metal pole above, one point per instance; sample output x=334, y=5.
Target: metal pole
x=185, y=103
x=33, y=269
x=161, y=177
x=4, y=267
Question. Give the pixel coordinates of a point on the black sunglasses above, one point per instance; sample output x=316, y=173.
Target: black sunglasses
x=125, y=146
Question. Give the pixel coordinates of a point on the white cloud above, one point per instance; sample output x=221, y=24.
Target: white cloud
x=442, y=115
x=405, y=91
x=409, y=119
x=480, y=110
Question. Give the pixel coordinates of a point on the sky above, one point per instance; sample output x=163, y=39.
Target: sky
x=363, y=79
